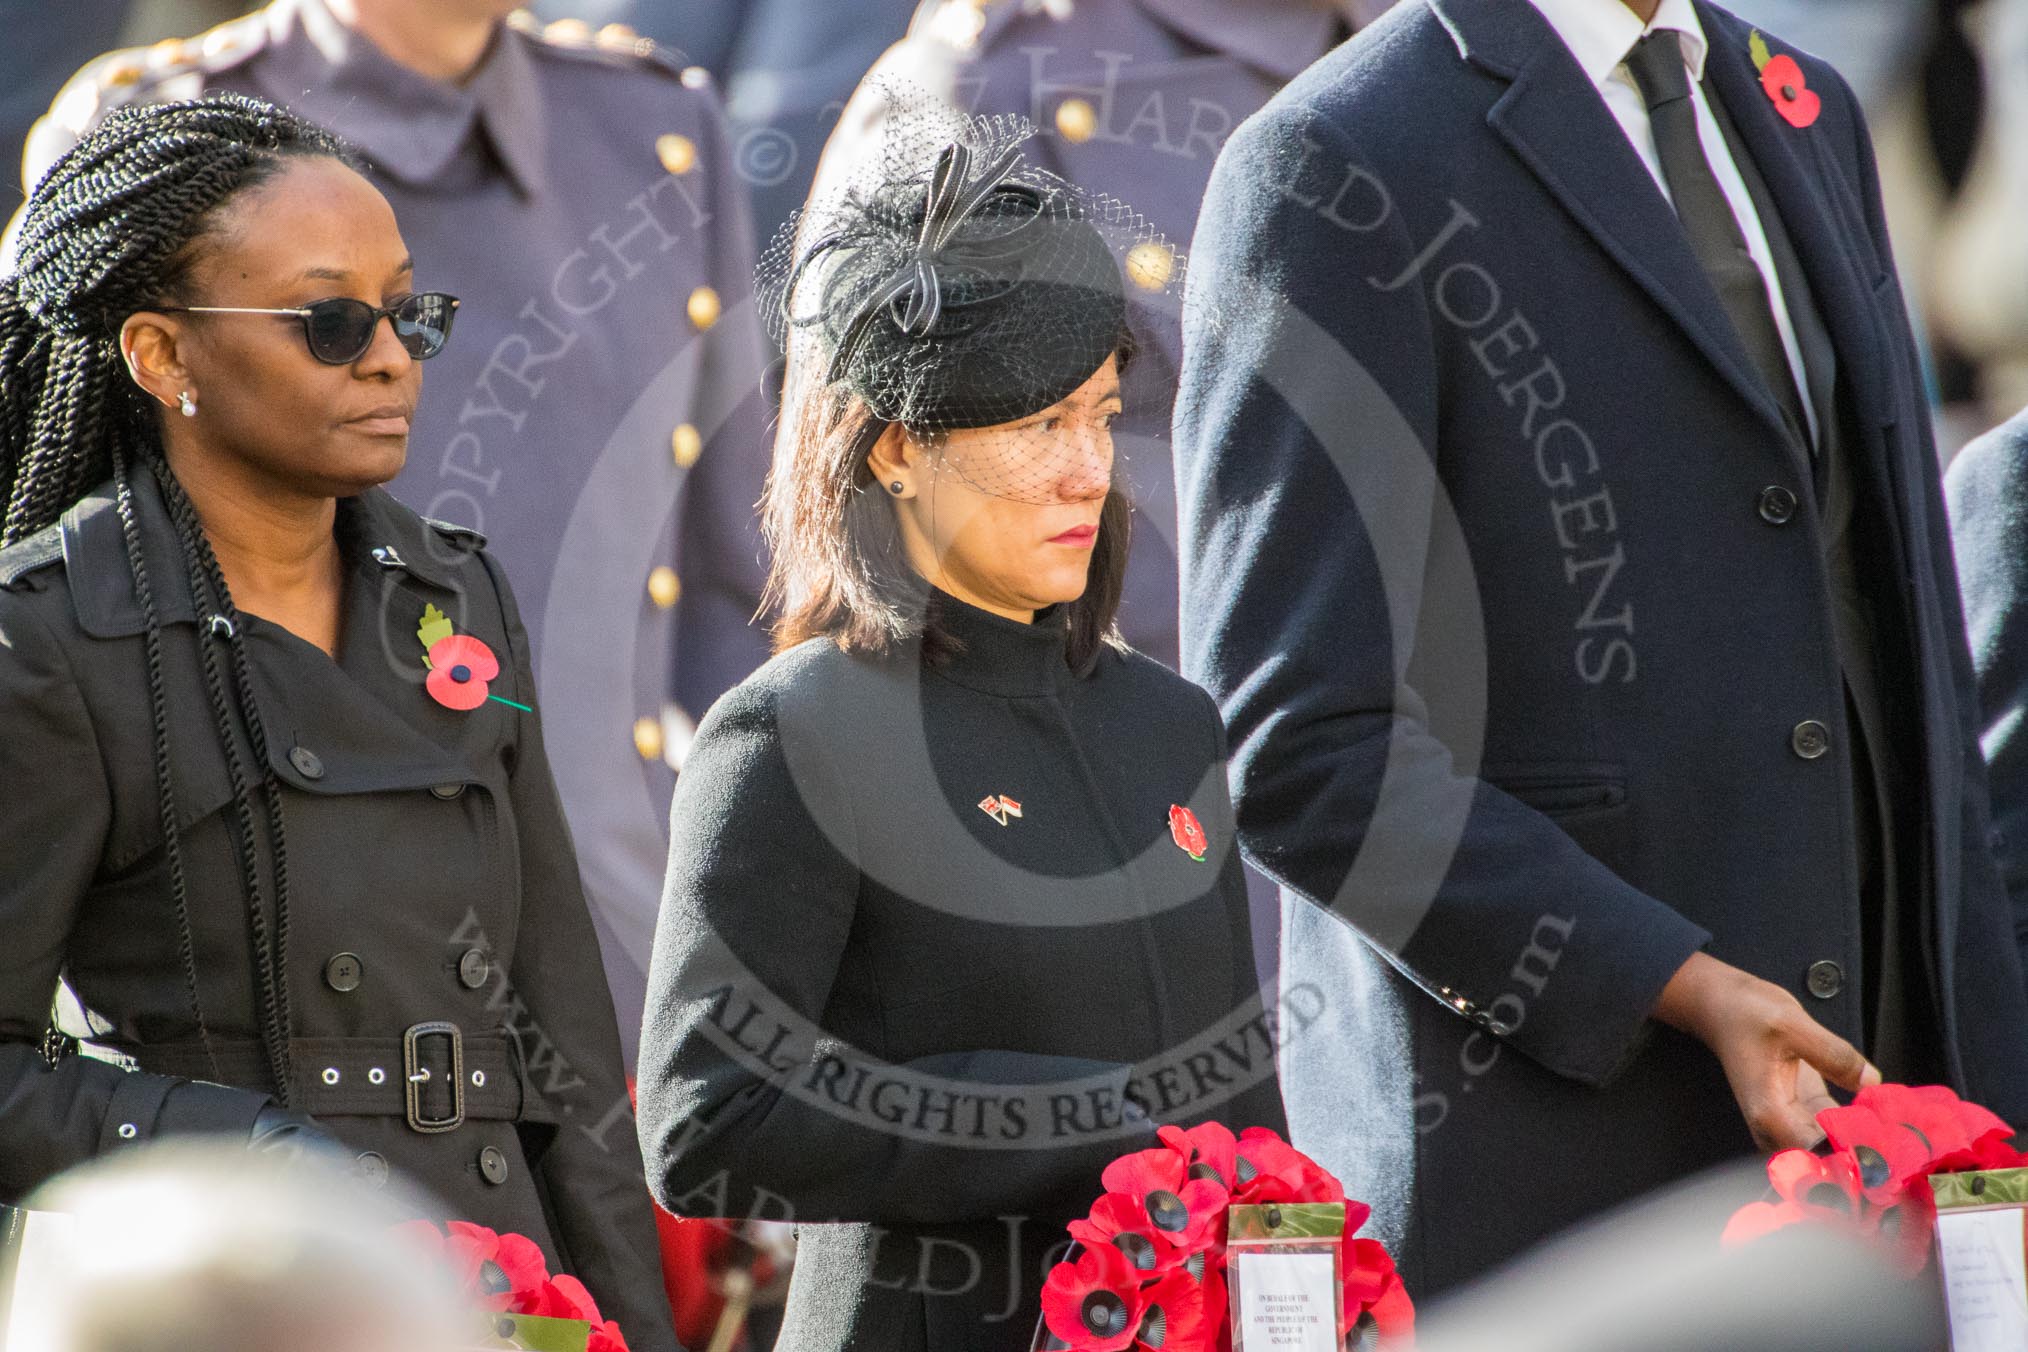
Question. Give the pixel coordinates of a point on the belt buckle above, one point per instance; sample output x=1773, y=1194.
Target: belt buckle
x=415, y=1076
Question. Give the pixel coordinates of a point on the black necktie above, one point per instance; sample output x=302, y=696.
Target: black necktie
x=1656, y=63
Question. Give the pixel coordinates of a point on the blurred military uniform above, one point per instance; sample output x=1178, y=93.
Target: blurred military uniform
x=1134, y=97
x=600, y=415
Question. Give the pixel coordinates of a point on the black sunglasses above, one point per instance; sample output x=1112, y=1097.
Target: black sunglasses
x=340, y=330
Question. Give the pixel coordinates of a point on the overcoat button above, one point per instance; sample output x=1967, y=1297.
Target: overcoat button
x=665, y=588
x=1825, y=979
x=372, y=1167
x=1810, y=740
x=306, y=762
x=473, y=969
x=493, y=1165
x=1777, y=505
x=446, y=791
x=342, y=973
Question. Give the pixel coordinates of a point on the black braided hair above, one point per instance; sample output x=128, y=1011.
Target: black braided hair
x=115, y=227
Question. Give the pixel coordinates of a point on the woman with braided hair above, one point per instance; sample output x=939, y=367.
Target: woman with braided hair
x=279, y=815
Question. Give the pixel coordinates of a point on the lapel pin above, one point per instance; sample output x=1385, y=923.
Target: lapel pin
x=460, y=665
x=1188, y=834
x=999, y=807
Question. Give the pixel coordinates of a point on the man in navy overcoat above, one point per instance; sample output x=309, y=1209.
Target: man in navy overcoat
x=1562, y=539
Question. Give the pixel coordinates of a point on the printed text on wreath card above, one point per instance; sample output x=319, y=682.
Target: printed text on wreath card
x=1288, y=1302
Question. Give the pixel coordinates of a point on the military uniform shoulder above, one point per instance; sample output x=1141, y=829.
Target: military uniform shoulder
x=29, y=563
x=970, y=27
x=175, y=68
x=614, y=47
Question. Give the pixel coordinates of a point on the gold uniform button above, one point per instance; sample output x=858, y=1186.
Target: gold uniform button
x=703, y=307
x=664, y=587
x=687, y=444
x=617, y=35
x=1151, y=264
x=678, y=153
x=568, y=30
x=648, y=738
x=1077, y=120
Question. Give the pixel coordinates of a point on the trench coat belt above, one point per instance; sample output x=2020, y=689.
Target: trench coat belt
x=368, y=1076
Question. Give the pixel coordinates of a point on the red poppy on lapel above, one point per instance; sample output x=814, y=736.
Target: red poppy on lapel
x=460, y=667
x=1783, y=80
x=1187, y=833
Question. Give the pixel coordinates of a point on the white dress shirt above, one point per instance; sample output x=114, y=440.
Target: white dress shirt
x=1600, y=33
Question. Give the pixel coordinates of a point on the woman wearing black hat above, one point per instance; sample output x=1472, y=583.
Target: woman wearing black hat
x=953, y=914
x=277, y=808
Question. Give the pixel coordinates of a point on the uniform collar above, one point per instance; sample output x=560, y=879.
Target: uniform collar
x=371, y=526
x=1600, y=33
x=1003, y=656
x=410, y=126
x=1279, y=38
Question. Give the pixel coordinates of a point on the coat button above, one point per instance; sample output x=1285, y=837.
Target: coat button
x=1777, y=505
x=306, y=762
x=473, y=969
x=1825, y=979
x=446, y=791
x=342, y=973
x=648, y=738
x=664, y=587
x=493, y=1165
x=703, y=307
x=1076, y=121
x=686, y=443
x=1810, y=740
x=677, y=152
x=371, y=1166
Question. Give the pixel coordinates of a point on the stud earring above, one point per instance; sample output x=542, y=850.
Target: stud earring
x=895, y=488
x=185, y=404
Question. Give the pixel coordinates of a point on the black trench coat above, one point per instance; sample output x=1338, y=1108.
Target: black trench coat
x=930, y=956
x=431, y=879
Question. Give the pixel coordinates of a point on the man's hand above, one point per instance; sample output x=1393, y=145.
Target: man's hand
x=1776, y=1057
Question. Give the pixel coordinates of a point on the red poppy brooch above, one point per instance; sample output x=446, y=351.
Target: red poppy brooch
x=1783, y=80
x=460, y=666
x=1187, y=832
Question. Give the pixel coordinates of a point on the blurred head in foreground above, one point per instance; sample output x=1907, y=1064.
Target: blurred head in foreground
x=185, y=1246
x=1654, y=1278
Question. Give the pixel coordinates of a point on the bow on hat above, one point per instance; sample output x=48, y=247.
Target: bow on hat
x=914, y=295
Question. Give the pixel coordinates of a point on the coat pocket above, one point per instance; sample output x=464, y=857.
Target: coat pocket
x=1561, y=789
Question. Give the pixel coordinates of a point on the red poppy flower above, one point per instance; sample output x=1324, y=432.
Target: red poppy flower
x=1946, y=1123
x=1888, y=1153
x=1094, y=1304
x=1782, y=78
x=460, y=667
x=1182, y=1209
x=1272, y=1170
x=1209, y=1150
x=1756, y=1219
x=1374, y=1289
x=496, y=1267
x=1188, y=834
x=1121, y=1221
x=1174, y=1320
x=1826, y=1184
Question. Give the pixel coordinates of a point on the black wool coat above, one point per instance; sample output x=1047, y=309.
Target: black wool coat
x=431, y=880
x=931, y=955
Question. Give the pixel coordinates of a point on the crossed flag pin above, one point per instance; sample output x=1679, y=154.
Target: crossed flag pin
x=999, y=807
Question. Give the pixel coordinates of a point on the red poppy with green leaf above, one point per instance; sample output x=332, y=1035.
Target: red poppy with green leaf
x=1782, y=78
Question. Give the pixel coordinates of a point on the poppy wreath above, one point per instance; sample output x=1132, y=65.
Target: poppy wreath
x=1148, y=1273
x=1873, y=1180
x=507, y=1274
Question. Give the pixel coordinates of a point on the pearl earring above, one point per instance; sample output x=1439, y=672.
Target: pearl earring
x=185, y=404
x=895, y=488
